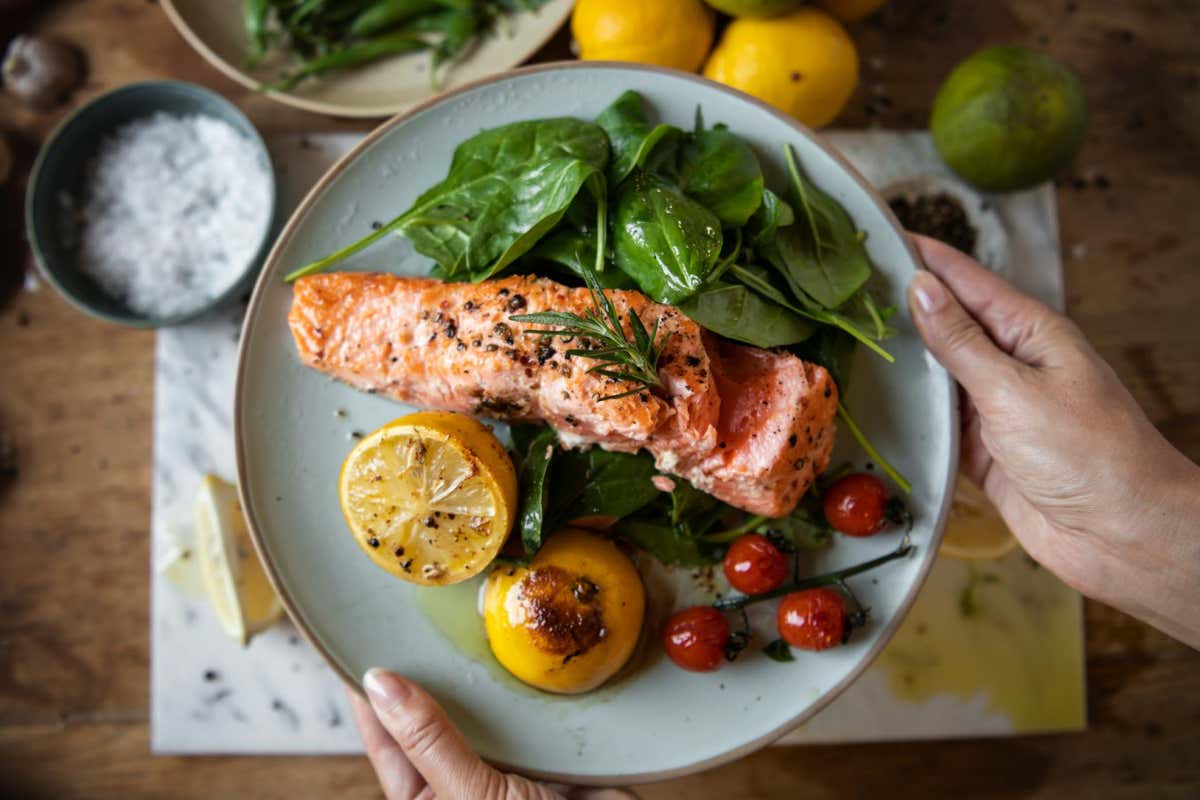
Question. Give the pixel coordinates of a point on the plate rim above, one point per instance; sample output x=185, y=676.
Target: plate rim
x=941, y=375
x=303, y=103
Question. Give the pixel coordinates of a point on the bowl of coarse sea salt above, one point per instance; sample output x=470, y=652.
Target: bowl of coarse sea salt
x=152, y=204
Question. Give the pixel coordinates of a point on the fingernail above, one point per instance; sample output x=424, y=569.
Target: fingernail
x=929, y=292
x=384, y=688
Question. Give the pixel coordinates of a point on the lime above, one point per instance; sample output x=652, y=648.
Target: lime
x=754, y=8
x=1008, y=118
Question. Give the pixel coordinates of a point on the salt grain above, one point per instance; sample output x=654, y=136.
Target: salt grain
x=173, y=208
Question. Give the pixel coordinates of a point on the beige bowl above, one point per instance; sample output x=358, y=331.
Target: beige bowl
x=214, y=28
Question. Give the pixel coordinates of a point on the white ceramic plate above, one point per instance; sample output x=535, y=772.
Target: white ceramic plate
x=661, y=721
x=215, y=29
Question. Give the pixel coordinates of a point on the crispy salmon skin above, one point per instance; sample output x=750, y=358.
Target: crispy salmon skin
x=751, y=427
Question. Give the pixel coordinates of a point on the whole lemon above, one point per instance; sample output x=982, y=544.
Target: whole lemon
x=803, y=63
x=754, y=8
x=1008, y=118
x=670, y=33
x=851, y=10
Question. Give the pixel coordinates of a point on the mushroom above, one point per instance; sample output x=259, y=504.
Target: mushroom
x=40, y=71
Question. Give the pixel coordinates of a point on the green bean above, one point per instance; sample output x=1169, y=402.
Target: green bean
x=254, y=13
x=305, y=9
x=387, y=14
x=324, y=35
x=354, y=55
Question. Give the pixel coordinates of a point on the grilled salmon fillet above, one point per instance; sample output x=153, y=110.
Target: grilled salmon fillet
x=751, y=427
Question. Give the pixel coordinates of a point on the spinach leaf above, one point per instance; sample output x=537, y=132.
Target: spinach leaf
x=862, y=310
x=670, y=544
x=534, y=483
x=662, y=239
x=822, y=254
x=507, y=187
x=736, y=312
x=632, y=139
x=522, y=436
x=559, y=486
x=688, y=502
x=575, y=250
x=598, y=483
x=803, y=529
x=778, y=650
x=760, y=280
x=721, y=172
x=774, y=213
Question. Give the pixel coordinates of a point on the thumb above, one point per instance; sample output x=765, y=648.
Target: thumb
x=954, y=337
x=429, y=739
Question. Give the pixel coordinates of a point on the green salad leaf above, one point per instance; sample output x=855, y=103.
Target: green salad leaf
x=664, y=240
x=534, y=483
x=803, y=529
x=599, y=483
x=737, y=312
x=631, y=136
x=557, y=486
x=822, y=254
x=689, y=503
x=772, y=214
x=778, y=650
x=670, y=544
x=507, y=188
x=761, y=280
x=720, y=171
x=575, y=250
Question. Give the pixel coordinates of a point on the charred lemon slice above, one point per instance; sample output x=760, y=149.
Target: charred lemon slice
x=975, y=530
x=430, y=497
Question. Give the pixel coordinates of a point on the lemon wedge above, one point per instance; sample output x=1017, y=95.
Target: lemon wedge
x=232, y=574
x=975, y=531
x=430, y=497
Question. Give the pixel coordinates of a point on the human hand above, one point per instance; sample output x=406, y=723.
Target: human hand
x=417, y=752
x=1083, y=479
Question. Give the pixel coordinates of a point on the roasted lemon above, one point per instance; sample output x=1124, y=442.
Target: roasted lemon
x=571, y=619
x=430, y=497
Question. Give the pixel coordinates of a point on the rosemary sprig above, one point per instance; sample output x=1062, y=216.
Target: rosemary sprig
x=619, y=357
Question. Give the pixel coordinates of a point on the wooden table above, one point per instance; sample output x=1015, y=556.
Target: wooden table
x=76, y=396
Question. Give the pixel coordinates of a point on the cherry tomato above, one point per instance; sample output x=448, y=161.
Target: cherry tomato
x=855, y=504
x=695, y=638
x=812, y=619
x=755, y=566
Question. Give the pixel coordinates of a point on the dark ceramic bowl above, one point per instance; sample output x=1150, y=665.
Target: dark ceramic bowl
x=59, y=170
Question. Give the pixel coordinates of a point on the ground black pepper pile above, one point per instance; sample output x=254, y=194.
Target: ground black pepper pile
x=940, y=216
